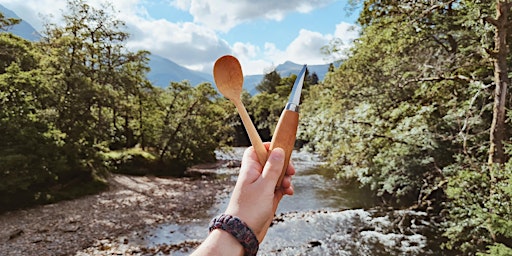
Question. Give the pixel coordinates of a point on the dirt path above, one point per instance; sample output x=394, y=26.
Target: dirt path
x=93, y=222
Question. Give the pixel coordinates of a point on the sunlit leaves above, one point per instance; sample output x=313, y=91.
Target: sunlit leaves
x=393, y=114
x=185, y=124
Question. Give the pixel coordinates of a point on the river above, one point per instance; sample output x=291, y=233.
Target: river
x=324, y=217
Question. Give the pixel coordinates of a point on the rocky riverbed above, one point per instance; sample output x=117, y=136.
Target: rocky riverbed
x=93, y=225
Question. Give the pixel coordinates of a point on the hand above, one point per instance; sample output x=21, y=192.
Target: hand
x=256, y=196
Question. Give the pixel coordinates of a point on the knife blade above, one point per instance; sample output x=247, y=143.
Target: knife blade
x=286, y=129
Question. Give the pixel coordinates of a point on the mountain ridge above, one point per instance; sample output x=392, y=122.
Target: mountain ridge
x=23, y=29
x=163, y=70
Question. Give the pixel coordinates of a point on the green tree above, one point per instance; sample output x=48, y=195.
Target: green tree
x=269, y=82
x=187, y=125
x=390, y=98
x=32, y=154
x=6, y=23
x=499, y=56
x=479, y=219
x=97, y=81
x=408, y=114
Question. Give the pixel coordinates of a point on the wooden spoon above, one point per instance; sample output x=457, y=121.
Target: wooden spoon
x=229, y=79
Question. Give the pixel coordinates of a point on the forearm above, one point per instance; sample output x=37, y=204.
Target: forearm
x=219, y=242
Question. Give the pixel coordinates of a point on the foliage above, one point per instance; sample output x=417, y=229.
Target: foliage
x=132, y=161
x=409, y=111
x=5, y=23
x=185, y=126
x=32, y=153
x=396, y=100
x=78, y=104
x=480, y=209
x=266, y=107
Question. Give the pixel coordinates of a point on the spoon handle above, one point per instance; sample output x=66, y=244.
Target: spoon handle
x=254, y=137
x=284, y=137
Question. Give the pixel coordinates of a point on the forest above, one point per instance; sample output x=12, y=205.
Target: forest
x=418, y=112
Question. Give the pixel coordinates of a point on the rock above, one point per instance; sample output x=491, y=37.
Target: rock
x=70, y=228
x=233, y=164
x=315, y=243
x=15, y=233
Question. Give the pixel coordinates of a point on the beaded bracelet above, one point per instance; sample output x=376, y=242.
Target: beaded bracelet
x=237, y=228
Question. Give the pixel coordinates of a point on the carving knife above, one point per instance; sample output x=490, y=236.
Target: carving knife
x=286, y=129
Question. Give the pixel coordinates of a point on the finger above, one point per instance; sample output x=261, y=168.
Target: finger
x=286, y=185
x=250, y=168
x=250, y=156
x=288, y=191
x=274, y=166
x=290, y=170
x=287, y=181
x=267, y=145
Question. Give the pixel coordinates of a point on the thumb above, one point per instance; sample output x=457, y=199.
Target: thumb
x=273, y=166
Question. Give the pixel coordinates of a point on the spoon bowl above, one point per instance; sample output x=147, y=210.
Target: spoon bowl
x=228, y=76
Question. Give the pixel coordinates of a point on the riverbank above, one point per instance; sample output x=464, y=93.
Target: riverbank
x=129, y=205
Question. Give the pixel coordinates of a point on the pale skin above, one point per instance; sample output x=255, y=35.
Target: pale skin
x=254, y=200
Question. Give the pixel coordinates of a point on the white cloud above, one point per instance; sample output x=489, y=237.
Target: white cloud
x=32, y=10
x=186, y=43
x=197, y=44
x=249, y=57
x=304, y=49
x=222, y=15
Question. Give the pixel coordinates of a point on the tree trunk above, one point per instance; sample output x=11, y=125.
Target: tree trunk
x=499, y=55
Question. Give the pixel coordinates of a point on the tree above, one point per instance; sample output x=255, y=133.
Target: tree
x=32, y=152
x=266, y=107
x=16, y=50
x=499, y=54
x=269, y=83
x=186, y=125
x=408, y=114
x=389, y=100
x=6, y=23
x=100, y=80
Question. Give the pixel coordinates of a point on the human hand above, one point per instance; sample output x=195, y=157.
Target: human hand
x=255, y=197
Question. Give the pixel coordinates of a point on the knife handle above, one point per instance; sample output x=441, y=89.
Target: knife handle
x=284, y=137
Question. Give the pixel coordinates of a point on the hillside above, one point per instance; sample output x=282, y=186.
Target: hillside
x=163, y=71
x=23, y=29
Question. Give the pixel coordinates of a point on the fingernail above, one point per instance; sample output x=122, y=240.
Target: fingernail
x=277, y=154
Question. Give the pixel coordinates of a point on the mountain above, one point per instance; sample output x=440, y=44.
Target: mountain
x=23, y=29
x=163, y=71
x=284, y=70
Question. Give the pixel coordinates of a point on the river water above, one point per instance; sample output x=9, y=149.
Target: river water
x=324, y=217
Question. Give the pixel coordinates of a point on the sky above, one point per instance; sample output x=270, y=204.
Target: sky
x=194, y=33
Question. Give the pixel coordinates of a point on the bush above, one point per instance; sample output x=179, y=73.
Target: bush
x=480, y=210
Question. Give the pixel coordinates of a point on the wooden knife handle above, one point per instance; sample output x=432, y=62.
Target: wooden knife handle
x=284, y=137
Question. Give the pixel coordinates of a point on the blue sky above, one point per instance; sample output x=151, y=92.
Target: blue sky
x=194, y=33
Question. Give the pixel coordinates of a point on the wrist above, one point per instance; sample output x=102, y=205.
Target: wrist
x=219, y=243
x=230, y=246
